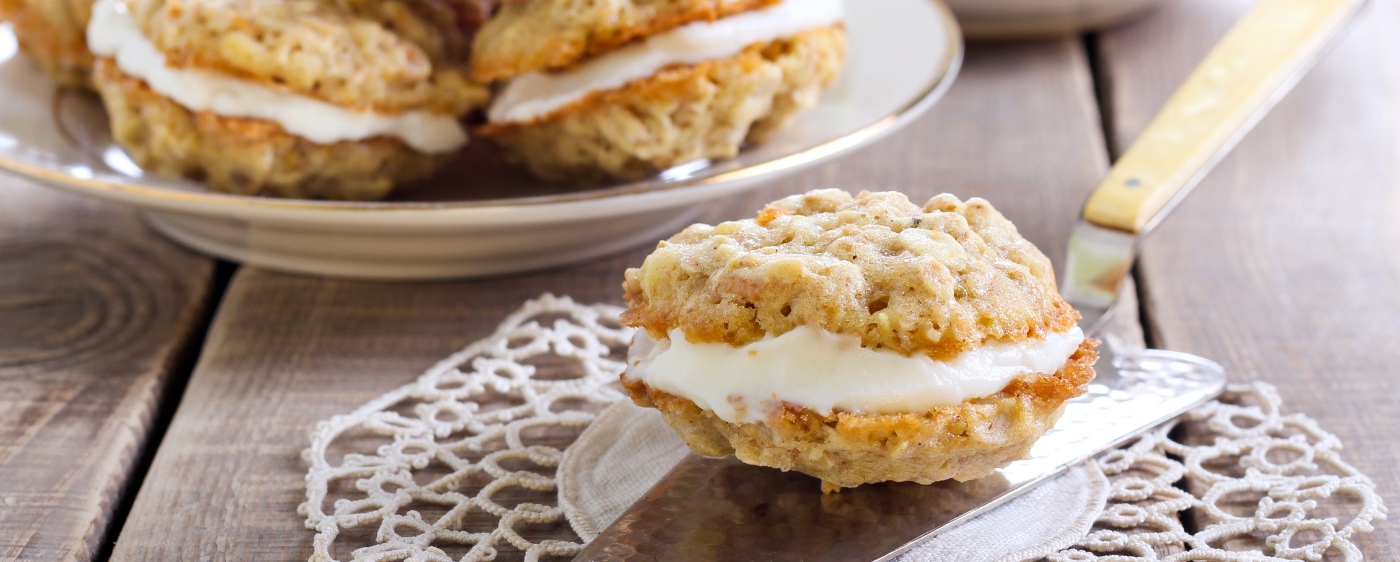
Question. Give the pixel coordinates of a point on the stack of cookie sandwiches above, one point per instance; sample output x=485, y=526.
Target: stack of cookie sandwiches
x=856, y=339
x=345, y=99
x=624, y=88
x=292, y=98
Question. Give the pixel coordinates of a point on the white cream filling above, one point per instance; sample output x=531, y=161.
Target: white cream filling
x=534, y=95
x=112, y=32
x=827, y=372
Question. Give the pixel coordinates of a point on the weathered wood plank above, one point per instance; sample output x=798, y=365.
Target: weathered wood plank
x=1021, y=128
x=1285, y=265
x=96, y=313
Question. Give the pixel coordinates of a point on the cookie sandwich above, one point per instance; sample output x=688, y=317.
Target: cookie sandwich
x=290, y=98
x=856, y=339
x=588, y=90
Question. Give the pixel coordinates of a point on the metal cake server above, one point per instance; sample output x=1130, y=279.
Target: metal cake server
x=722, y=509
x=1261, y=58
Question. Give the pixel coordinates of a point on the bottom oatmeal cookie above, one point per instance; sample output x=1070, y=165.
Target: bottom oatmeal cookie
x=683, y=113
x=961, y=442
x=249, y=156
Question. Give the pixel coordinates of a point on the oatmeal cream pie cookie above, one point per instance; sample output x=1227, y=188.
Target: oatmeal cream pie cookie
x=335, y=99
x=625, y=88
x=857, y=340
x=51, y=31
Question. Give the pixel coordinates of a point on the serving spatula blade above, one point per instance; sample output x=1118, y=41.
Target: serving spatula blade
x=721, y=509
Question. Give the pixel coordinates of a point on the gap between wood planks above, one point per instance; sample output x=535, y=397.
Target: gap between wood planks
x=171, y=395
x=1103, y=94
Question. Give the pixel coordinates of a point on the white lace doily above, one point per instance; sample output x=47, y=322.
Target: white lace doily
x=1262, y=486
x=462, y=460
x=471, y=429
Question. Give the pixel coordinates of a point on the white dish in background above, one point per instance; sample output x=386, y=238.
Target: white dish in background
x=479, y=216
x=1035, y=18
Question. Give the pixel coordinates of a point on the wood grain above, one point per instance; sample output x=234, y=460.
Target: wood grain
x=1285, y=264
x=1020, y=128
x=96, y=313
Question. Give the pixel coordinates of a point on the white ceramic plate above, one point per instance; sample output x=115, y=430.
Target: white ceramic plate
x=1033, y=18
x=479, y=216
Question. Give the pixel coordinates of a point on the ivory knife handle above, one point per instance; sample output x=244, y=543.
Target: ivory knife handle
x=1256, y=63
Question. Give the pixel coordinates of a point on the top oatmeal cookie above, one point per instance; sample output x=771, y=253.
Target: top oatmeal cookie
x=935, y=280
x=388, y=56
x=530, y=35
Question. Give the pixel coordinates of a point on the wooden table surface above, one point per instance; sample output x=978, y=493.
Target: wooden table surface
x=154, y=403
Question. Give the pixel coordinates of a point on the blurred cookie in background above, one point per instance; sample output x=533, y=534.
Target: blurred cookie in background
x=298, y=98
x=591, y=90
x=52, y=32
